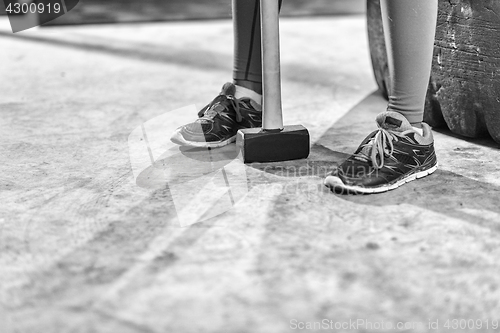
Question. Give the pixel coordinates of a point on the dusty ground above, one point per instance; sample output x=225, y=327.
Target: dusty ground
x=98, y=210
x=97, y=11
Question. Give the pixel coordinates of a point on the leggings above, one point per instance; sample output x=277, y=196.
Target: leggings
x=247, y=70
x=409, y=27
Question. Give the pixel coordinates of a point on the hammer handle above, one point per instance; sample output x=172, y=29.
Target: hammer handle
x=272, y=118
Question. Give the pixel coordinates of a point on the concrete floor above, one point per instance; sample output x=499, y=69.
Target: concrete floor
x=107, y=227
x=97, y=11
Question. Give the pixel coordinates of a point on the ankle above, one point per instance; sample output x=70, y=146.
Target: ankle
x=418, y=127
x=242, y=92
x=254, y=86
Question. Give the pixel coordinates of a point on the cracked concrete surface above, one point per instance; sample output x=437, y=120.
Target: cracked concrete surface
x=90, y=244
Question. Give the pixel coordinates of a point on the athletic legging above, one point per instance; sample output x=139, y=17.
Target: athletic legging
x=409, y=27
x=247, y=44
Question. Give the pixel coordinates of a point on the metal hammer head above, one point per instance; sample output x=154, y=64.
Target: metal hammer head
x=258, y=145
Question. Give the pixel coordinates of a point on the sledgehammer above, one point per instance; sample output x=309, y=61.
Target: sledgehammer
x=273, y=142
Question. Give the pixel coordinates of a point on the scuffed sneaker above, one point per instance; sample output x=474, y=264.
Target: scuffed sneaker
x=219, y=121
x=389, y=157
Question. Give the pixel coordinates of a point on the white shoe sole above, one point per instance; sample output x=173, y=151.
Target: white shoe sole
x=178, y=139
x=334, y=182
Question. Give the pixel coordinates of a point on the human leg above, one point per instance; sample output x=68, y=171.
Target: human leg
x=397, y=152
x=409, y=29
x=247, y=69
x=239, y=103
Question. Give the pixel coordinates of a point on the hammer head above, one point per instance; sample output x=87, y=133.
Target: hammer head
x=258, y=145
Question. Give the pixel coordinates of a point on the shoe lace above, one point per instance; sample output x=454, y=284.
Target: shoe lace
x=225, y=101
x=375, y=149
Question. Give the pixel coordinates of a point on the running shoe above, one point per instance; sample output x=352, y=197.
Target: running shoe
x=220, y=120
x=389, y=157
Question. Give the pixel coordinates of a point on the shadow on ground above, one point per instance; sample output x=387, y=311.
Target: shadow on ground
x=445, y=192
